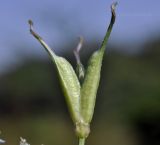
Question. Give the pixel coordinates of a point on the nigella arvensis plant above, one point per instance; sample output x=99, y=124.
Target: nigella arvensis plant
x=79, y=88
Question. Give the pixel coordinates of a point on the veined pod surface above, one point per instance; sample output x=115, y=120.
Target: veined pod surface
x=70, y=86
x=69, y=81
x=90, y=86
x=92, y=75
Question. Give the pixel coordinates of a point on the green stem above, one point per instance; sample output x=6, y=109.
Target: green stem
x=81, y=141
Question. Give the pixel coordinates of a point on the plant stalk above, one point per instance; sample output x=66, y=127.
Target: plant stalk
x=81, y=141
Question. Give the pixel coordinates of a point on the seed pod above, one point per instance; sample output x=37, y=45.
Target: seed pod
x=68, y=78
x=90, y=86
x=92, y=76
x=70, y=86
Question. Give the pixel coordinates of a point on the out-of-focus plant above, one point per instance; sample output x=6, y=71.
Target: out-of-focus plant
x=23, y=141
x=79, y=89
x=1, y=140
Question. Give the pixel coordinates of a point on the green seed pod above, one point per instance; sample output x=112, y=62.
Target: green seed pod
x=70, y=86
x=80, y=99
x=92, y=76
x=90, y=86
x=69, y=81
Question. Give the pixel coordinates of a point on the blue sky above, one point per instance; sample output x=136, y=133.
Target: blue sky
x=59, y=21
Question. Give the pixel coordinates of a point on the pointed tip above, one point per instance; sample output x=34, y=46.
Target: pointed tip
x=80, y=44
x=81, y=39
x=112, y=21
x=113, y=7
x=114, y=4
x=78, y=48
x=30, y=22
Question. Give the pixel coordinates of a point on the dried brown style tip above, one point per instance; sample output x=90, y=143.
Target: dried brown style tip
x=30, y=22
x=113, y=7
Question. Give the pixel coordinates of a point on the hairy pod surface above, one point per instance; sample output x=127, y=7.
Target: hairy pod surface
x=90, y=86
x=70, y=86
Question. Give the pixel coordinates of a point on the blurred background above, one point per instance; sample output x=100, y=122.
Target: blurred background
x=128, y=101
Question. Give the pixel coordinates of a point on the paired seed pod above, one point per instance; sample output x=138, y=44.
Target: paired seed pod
x=79, y=89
